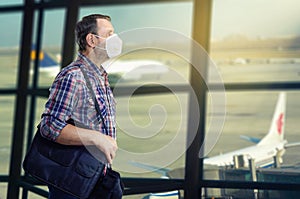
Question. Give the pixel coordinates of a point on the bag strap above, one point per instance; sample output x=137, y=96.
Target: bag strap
x=97, y=106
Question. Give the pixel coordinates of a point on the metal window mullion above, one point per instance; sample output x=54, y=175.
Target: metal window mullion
x=20, y=107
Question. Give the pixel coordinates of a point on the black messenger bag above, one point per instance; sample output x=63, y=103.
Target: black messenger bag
x=69, y=168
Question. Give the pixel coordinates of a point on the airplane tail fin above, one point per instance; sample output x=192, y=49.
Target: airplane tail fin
x=44, y=58
x=276, y=131
x=46, y=63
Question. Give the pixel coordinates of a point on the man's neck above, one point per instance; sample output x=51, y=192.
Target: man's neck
x=97, y=60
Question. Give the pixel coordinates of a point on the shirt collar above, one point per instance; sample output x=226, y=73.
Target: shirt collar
x=93, y=67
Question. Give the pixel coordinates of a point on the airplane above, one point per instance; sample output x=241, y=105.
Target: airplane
x=167, y=195
x=124, y=70
x=133, y=70
x=264, y=150
x=47, y=65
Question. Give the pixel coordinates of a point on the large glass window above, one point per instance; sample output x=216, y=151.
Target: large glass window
x=12, y=2
x=153, y=44
x=9, y=49
x=162, y=15
x=255, y=41
x=152, y=127
x=248, y=46
x=50, y=51
x=9, y=56
x=7, y=110
x=151, y=134
x=261, y=126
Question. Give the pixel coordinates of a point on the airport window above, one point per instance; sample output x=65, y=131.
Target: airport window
x=142, y=60
x=265, y=121
x=161, y=15
x=147, y=124
x=247, y=46
x=148, y=67
x=249, y=54
x=12, y=2
x=9, y=48
x=152, y=135
x=3, y=186
x=6, y=125
x=50, y=50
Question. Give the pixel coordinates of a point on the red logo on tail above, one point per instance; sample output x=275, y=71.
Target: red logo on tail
x=280, y=123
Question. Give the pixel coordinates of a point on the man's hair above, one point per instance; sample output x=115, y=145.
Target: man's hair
x=88, y=24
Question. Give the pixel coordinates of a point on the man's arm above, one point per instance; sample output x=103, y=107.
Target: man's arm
x=72, y=135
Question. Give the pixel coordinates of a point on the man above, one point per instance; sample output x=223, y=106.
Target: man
x=71, y=100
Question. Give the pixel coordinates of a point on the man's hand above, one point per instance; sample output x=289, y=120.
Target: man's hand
x=108, y=146
x=71, y=135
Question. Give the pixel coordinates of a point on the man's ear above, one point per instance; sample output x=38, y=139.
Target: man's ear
x=90, y=40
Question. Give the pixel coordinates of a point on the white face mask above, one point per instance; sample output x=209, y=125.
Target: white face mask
x=113, y=45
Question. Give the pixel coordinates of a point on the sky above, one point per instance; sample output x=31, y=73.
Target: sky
x=256, y=18
x=253, y=18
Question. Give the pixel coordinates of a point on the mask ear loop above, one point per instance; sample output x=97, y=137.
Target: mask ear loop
x=98, y=46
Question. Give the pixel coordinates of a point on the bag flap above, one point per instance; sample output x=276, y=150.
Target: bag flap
x=88, y=165
x=61, y=154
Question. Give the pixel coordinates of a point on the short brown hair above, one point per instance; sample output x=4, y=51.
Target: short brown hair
x=88, y=24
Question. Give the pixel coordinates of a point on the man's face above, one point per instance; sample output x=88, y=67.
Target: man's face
x=105, y=29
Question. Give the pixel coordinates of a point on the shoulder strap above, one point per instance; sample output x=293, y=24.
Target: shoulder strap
x=97, y=106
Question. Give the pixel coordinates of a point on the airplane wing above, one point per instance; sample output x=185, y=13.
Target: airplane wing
x=294, y=144
x=162, y=171
x=250, y=139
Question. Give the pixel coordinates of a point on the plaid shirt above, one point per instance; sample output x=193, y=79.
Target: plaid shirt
x=70, y=99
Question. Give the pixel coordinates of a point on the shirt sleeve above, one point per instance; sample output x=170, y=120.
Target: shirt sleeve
x=58, y=109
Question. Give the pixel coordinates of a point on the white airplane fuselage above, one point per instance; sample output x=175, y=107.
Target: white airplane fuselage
x=273, y=144
x=262, y=155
